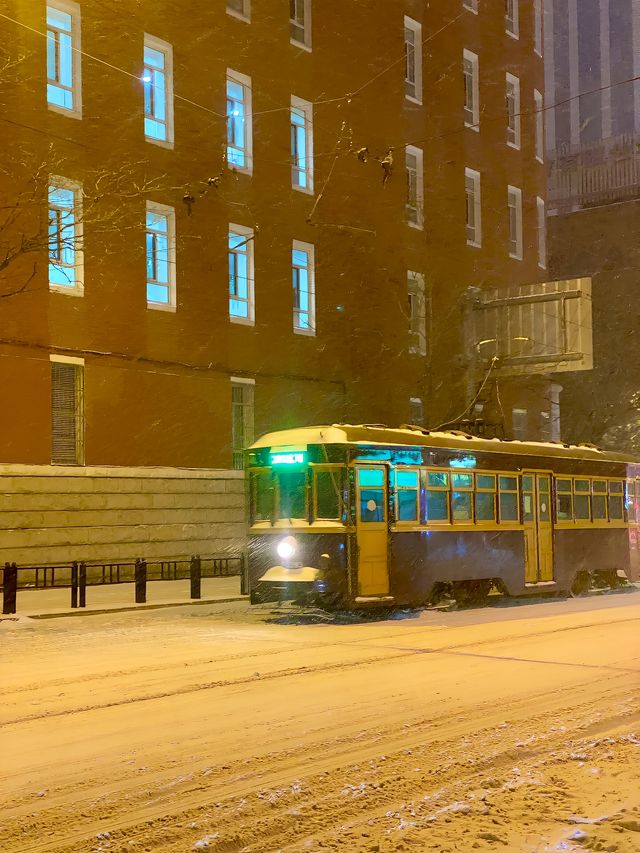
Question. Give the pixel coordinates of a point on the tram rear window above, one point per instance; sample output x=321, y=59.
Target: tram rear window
x=261, y=492
x=328, y=488
x=292, y=494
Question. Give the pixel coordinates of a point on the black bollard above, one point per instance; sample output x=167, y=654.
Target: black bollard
x=141, y=581
x=74, y=584
x=82, y=585
x=10, y=588
x=196, y=577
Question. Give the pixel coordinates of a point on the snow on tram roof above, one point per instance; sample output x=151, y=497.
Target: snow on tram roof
x=297, y=439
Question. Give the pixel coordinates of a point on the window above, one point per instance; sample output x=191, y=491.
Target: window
x=616, y=512
x=261, y=494
x=65, y=237
x=413, y=60
x=461, y=497
x=564, y=500
x=300, y=23
x=471, y=90
x=239, y=9
x=242, y=420
x=241, y=275
x=157, y=79
x=582, y=500
x=599, y=500
x=630, y=502
x=485, y=497
x=513, y=111
x=67, y=411
x=239, y=133
x=514, y=196
x=519, y=423
x=437, y=496
x=538, y=31
x=304, y=298
x=417, y=314
x=407, y=495
x=539, y=118
x=415, y=186
x=473, y=207
x=301, y=145
x=512, y=18
x=471, y=5
x=416, y=411
x=161, y=257
x=63, y=58
x=508, y=499
x=328, y=487
x=542, y=233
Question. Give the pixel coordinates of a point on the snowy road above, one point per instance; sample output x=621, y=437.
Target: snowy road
x=221, y=729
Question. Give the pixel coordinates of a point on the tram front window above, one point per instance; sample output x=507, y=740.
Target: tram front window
x=292, y=491
x=261, y=490
x=328, y=488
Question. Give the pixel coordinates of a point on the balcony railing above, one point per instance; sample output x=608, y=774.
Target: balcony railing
x=584, y=176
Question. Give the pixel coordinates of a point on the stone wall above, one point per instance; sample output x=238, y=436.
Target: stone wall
x=59, y=514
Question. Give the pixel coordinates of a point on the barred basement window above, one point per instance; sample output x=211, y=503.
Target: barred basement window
x=242, y=418
x=67, y=412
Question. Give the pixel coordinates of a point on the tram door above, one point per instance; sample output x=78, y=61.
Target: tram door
x=371, y=500
x=538, y=529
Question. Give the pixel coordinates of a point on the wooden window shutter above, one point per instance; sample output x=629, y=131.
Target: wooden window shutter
x=67, y=416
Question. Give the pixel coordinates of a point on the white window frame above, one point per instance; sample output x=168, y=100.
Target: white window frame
x=471, y=116
x=248, y=429
x=77, y=288
x=244, y=81
x=538, y=27
x=542, y=232
x=306, y=108
x=309, y=248
x=79, y=412
x=512, y=18
x=417, y=296
x=170, y=214
x=73, y=9
x=512, y=95
x=244, y=15
x=305, y=44
x=412, y=151
x=249, y=235
x=471, y=6
x=473, y=230
x=514, y=202
x=166, y=50
x=538, y=101
x=416, y=28
x=415, y=403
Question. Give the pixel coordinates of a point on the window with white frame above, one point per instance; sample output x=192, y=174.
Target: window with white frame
x=64, y=83
x=415, y=186
x=413, y=60
x=416, y=411
x=519, y=423
x=538, y=27
x=65, y=237
x=241, y=275
x=157, y=80
x=542, y=233
x=300, y=23
x=473, y=207
x=514, y=203
x=161, y=256
x=513, y=110
x=471, y=89
x=471, y=5
x=304, y=296
x=239, y=9
x=242, y=418
x=417, y=313
x=512, y=17
x=539, y=119
x=301, y=144
x=239, y=132
x=67, y=410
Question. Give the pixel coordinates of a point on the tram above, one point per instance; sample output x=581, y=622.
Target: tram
x=365, y=516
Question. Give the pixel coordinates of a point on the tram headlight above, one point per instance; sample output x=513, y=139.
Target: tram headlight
x=286, y=548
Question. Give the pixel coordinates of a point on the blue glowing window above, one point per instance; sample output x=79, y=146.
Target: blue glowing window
x=61, y=62
x=241, y=287
x=160, y=260
x=370, y=477
x=157, y=94
x=63, y=238
x=303, y=288
x=238, y=154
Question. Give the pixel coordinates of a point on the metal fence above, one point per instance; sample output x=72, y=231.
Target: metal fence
x=79, y=575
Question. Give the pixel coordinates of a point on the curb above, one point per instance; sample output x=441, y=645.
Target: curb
x=132, y=607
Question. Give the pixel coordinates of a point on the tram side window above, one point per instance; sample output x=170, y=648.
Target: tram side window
x=407, y=495
x=461, y=492
x=508, y=487
x=615, y=501
x=371, y=488
x=261, y=495
x=630, y=502
x=292, y=494
x=564, y=500
x=599, y=500
x=527, y=498
x=485, y=497
x=437, y=496
x=328, y=491
x=581, y=500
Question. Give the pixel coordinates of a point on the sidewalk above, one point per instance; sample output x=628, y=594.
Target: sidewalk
x=48, y=603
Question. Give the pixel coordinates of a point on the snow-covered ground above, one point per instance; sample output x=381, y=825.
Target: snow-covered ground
x=222, y=728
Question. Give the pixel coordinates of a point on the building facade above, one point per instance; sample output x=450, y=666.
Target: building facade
x=255, y=215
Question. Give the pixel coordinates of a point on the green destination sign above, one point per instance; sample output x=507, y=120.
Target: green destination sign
x=296, y=458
